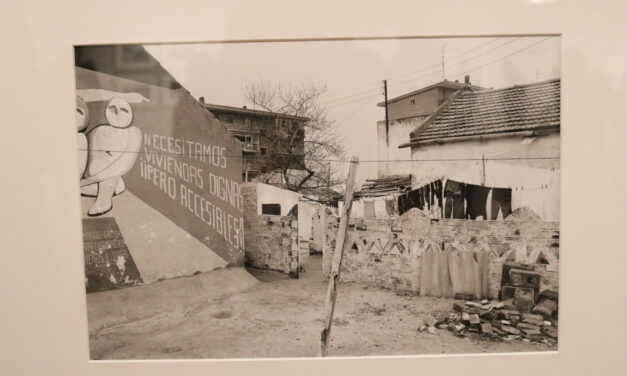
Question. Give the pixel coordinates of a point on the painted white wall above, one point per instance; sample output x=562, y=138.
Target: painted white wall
x=306, y=211
x=389, y=151
x=269, y=194
x=510, y=147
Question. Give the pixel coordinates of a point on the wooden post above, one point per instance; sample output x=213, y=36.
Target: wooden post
x=337, y=258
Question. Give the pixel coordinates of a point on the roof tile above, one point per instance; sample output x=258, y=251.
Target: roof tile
x=518, y=108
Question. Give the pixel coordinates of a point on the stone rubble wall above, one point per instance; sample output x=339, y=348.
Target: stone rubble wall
x=271, y=241
x=387, y=252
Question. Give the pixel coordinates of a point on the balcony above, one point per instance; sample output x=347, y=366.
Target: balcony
x=250, y=147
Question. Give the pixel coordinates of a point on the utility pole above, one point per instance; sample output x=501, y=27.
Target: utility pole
x=483, y=170
x=387, y=122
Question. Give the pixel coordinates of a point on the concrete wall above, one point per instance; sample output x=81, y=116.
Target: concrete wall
x=403, y=118
x=508, y=147
x=160, y=248
x=319, y=221
x=271, y=240
x=387, y=149
x=269, y=194
x=174, y=223
x=388, y=252
x=425, y=103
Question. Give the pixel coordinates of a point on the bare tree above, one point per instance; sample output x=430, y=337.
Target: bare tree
x=304, y=165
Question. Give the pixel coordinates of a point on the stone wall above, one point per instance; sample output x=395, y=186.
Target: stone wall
x=387, y=252
x=271, y=241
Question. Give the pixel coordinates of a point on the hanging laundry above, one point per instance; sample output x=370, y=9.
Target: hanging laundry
x=454, y=193
x=389, y=206
x=369, y=209
x=428, y=196
x=380, y=209
x=476, y=200
x=501, y=200
x=408, y=200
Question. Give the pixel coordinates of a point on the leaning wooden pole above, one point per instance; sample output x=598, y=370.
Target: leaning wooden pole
x=337, y=258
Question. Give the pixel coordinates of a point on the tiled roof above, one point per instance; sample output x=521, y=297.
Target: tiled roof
x=471, y=113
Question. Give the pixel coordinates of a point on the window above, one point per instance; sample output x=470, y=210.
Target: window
x=244, y=138
x=271, y=209
x=263, y=151
x=412, y=102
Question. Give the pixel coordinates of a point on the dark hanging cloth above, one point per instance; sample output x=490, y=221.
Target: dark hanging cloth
x=476, y=199
x=408, y=200
x=403, y=203
x=454, y=192
x=501, y=199
x=428, y=195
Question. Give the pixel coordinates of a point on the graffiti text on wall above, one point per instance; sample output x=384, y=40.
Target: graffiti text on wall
x=163, y=163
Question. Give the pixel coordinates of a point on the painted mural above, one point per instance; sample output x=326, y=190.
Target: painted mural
x=165, y=170
x=108, y=150
x=110, y=262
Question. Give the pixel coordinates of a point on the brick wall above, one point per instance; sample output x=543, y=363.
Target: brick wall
x=271, y=241
x=388, y=252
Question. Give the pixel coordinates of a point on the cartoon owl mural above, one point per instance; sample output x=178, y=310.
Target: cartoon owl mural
x=82, y=119
x=113, y=149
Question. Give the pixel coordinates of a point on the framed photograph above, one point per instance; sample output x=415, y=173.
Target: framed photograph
x=294, y=197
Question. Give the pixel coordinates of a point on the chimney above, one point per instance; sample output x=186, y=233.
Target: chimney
x=244, y=107
x=201, y=100
x=467, y=80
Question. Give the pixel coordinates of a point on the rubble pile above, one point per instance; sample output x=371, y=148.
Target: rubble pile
x=501, y=320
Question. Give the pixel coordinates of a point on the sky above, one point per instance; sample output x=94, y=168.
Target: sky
x=353, y=72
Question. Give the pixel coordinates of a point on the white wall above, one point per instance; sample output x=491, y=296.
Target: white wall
x=510, y=147
x=306, y=211
x=398, y=134
x=269, y=194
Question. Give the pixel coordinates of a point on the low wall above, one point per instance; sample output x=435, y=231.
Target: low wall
x=271, y=241
x=388, y=252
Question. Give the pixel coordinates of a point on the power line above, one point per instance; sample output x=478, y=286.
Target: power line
x=327, y=160
x=429, y=67
x=454, y=65
x=353, y=101
x=350, y=96
x=412, y=72
x=354, y=112
x=505, y=57
x=422, y=69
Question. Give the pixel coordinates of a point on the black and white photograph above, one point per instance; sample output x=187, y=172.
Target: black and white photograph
x=313, y=188
x=306, y=198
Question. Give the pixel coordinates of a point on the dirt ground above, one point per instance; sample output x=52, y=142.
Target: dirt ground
x=282, y=317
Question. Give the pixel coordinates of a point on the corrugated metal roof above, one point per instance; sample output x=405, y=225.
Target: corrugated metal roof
x=384, y=186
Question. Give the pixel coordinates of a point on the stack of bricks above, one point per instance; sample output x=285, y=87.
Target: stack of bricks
x=387, y=251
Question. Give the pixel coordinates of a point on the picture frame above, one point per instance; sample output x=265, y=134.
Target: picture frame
x=44, y=322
